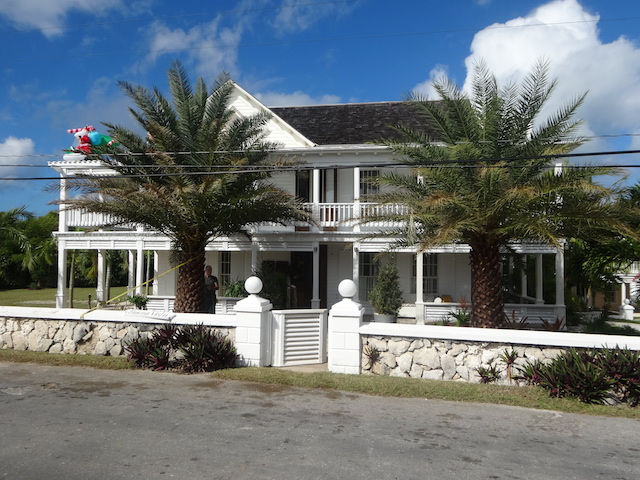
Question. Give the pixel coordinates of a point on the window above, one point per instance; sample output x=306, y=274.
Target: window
x=368, y=271
x=430, y=275
x=303, y=185
x=369, y=182
x=225, y=268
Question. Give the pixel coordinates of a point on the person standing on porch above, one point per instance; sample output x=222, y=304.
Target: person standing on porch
x=210, y=287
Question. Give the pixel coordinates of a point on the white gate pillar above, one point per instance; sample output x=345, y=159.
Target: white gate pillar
x=253, y=330
x=345, y=319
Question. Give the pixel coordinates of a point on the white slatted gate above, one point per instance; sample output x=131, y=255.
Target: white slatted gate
x=299, y=337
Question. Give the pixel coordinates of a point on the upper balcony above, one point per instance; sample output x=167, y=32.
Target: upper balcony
x=328, y=216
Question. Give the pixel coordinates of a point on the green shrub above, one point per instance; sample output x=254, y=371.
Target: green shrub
x=191, y=348
x=386, y=296
x=150, y=352
x=139, y=301
x=204, y=350
x=234, y=289
x=591, y=376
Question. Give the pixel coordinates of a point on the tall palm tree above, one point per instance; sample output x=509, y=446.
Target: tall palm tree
x=200, y=172
x=486, y=181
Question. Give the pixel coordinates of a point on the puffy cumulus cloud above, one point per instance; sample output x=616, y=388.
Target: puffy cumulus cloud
x=15, y=152
x=299, y=15
x=425, y=89
x=275, y=99
x=210, y=47
x=566, y=35
x=50, y=14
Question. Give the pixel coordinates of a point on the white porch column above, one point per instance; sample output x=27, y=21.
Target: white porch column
x=139, y=268
x=355, y=260
x=315, y=196
x=100, y=285
x=561, y=310
x=131, y=277
x=315, y=291
x=62, y=209
x=539, y=278
x=61, y=291
x=623, y=293
x=420, y=288
x=156, y=271
x=356, y=200
x=560, y=275
x=524, y=284
x=254, y=258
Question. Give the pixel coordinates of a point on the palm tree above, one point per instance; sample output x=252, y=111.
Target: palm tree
x=14, y=240
x=200, y=172
x=10, y=230
x=486, y=181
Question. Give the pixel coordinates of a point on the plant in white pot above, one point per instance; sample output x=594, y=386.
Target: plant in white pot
x=386, y=296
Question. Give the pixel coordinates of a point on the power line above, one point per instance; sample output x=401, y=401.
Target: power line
x=253, y=169
x=276, y=152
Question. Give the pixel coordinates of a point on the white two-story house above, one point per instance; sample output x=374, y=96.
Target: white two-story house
x=338, y=160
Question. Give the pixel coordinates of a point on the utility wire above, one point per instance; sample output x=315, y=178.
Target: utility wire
x=275, y=152
x=245, y=169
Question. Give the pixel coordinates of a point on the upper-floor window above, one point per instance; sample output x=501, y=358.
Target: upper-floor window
x=369, y=182
x=303, y=185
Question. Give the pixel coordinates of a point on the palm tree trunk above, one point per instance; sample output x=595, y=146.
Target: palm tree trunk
x=190, y=288
x=487, y=302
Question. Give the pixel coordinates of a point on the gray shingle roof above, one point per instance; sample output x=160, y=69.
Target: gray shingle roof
x=351, y=123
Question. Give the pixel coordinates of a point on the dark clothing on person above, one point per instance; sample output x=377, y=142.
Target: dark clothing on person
x=210, y=300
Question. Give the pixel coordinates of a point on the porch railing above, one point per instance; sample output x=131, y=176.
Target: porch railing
x=531, y=313
x=328, y=215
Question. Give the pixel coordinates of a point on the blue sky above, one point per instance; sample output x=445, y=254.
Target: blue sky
x=61, y=61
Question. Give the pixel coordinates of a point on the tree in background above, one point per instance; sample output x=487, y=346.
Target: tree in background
x=487, y=179
x=200, y=172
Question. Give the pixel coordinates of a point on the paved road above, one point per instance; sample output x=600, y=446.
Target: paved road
x=73, y=423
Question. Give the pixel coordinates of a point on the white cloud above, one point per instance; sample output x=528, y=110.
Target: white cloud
x=50, y=14
x=15, y=151
x=275, y=99
x=211, y=48
x=563, y=32
x=425, y=89
x=300, y=15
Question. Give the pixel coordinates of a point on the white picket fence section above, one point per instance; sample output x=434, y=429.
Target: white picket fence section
x=299, y=337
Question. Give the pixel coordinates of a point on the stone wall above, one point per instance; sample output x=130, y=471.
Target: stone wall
x=74, y=336
x=443, y=359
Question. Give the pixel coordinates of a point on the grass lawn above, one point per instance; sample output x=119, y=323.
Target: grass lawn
x=527, y=397
x=46, y=297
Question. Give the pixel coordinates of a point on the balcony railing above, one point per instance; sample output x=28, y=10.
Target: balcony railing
x=82, y=218
x=328, y=215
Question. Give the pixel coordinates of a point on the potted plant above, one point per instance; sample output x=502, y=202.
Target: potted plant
x=386, y=296
x=139, y=301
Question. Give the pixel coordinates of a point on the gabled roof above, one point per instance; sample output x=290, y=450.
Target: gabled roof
x=351, y=123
